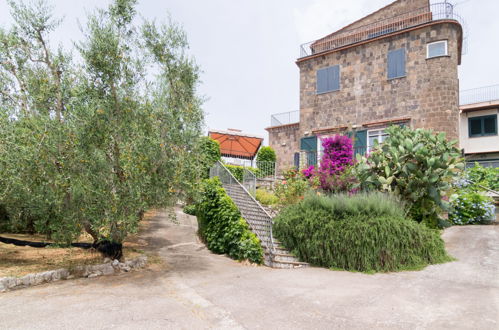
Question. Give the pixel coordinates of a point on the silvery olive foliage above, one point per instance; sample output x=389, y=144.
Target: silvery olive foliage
x=92, y=137
x=418, y=166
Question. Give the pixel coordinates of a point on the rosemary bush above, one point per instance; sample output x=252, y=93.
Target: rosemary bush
x=363, y=232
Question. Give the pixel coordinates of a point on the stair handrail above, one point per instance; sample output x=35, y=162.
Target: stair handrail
x=249, y=181
x=271, y=247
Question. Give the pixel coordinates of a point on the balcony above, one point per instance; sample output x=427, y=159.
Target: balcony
x=479, y=95
x=434, y=12
x=285, y=118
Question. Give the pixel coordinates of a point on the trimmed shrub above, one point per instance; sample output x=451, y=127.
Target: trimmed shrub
x=238, y=171
x=266, y=154
x=221, y=226
x=363, y=232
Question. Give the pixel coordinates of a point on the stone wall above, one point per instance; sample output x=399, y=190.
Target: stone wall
x=285, y=140
x=108, y=268
x=428, y=94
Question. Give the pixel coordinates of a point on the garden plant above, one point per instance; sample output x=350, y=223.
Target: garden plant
x=416, y=165
x=90, y=145
x=361, y=232
x=221, y=226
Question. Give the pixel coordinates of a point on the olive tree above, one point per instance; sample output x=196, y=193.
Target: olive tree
x=91, y=145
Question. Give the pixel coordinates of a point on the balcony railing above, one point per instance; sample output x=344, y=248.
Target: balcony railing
x=285, y=118
x=434, y=12
x=478, y=95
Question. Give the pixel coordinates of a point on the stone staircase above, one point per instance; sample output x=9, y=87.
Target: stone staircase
x=260, y=223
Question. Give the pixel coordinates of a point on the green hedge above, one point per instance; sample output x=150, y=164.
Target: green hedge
x=221, y=226
x=237, y=171
x=364, y=232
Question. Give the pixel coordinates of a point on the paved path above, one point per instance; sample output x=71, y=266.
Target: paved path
x=199, y=290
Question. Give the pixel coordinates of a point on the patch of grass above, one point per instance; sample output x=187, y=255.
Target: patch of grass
x=266, y=197
x=17, y=261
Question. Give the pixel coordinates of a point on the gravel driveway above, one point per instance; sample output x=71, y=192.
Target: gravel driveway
x=199, y=290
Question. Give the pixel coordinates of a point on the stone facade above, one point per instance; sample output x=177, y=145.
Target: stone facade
x=426, y=97
x=285, y=140
x=428, y=94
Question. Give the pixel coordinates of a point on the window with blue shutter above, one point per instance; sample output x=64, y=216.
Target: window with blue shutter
x=309, y=145
x=360, y=142
x=396, y=63
x=328, y=79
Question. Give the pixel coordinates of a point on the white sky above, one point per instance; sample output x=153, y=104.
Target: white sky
x=247, y=49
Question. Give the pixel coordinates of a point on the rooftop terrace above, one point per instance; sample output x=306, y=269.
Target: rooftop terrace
x=342, y=38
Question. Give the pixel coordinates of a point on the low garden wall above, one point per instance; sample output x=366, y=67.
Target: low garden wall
x=107, y=268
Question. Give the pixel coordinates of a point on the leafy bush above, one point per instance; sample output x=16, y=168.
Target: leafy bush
x=292, y=189
x=471, y=207
x=416, y=165
x=221, y=226
x=484, y=176
x=190, y=209
x=210, y=151
x=238, y=171
x=363, y=232
x=266, y=197
x=266, y=154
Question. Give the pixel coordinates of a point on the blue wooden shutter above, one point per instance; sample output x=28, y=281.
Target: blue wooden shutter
x=322, y=80
x=308, y=143
x=328, y=79
x=335, y=78
x=401, y=62
x=360, y=144
x=396, y=63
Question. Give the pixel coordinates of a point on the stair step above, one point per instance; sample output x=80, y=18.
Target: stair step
x=289, y=264
x=260, y=223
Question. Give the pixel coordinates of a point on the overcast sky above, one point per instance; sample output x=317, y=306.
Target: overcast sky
x=247, y=48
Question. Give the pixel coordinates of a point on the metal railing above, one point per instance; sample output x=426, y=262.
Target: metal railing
x=484, y=163
x=434, y=12
x=266, y=170
x=249, y=181
x=227, y=178
x=478, y=95
x=285, y=118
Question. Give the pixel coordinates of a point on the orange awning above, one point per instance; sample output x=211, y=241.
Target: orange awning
x=236, y=144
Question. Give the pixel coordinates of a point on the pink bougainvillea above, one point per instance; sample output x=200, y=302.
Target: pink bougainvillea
x=308, y=172
x=333, y=172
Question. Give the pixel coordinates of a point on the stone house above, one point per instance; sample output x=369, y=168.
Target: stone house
x=397, y=65
x=479, y=139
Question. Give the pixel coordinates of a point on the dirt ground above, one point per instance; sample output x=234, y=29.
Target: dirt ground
x=21, y=260
x=200, y=290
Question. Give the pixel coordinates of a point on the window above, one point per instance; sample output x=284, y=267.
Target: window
x=396, y=63
x=309, y=146
x=436, y=49
x=373, y=136
x=328, y=79
x=482, y=126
